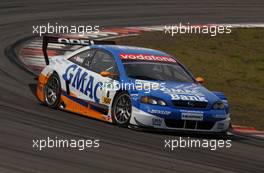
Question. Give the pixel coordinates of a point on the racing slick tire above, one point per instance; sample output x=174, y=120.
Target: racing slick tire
x=121, y=109
x=52, y=91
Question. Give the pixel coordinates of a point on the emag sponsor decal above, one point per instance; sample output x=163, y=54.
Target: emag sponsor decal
x=147, y=57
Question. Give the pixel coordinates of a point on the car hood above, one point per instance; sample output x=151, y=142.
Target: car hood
x=179, y=91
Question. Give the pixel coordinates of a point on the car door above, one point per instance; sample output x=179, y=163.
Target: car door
x=78, y=62
x=102, y=60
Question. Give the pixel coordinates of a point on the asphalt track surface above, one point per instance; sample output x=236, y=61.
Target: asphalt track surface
x=23, y=118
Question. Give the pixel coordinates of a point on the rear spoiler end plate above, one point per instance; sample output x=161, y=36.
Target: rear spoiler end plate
x=69, y=41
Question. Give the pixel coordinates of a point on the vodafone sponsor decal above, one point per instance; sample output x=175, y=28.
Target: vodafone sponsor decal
x=147, y=57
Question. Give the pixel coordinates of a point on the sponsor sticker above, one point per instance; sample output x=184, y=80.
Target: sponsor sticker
x=188, y=97
x=82, y=81
x=188, y=93
x=192, y=115
x=156, y=121
x=147, y=57
x=106, y=100
x=156, y=111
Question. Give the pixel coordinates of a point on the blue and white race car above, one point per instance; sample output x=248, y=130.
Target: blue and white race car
x=130, y=86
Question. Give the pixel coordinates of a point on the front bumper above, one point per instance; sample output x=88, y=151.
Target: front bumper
x=146, y=120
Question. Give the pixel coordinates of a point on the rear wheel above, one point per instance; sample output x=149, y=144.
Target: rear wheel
x=121, y=109
x=52, y=91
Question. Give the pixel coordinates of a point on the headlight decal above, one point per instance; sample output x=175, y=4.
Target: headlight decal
x=218, y=105
x=152, y=100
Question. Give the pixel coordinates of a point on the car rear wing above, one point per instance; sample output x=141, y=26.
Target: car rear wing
x=69, y=41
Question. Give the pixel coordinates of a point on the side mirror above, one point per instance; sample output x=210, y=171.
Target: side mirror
x=109, y=74
x=106, y=74
x=200, y=80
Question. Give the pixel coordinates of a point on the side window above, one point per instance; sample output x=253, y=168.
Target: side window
x=103, y=61
x=83, y=58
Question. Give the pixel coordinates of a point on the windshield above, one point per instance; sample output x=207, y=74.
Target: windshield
x=157, y=71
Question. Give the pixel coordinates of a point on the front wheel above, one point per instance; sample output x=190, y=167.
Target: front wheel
x=52, y=91
x=121, y=109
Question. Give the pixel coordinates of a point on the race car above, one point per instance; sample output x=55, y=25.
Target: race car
x=130, y=86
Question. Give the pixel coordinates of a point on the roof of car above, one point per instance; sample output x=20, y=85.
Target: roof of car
x=130, y=49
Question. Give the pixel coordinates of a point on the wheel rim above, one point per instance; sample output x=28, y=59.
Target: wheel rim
x=122, y=109
x=51, y=91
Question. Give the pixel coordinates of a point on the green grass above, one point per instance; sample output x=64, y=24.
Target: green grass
x=232, y=63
